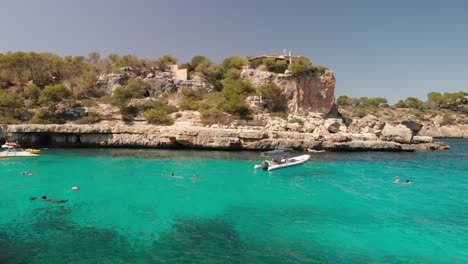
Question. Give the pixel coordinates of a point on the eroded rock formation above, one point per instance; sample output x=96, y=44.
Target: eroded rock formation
x=148, y=136
x=312, y=92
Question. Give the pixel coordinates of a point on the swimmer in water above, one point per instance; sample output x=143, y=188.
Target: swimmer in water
x=195, y=177
x=27, y=173
x=175, y=176
x=45, y=199
x=408, y=182
x=397, y=179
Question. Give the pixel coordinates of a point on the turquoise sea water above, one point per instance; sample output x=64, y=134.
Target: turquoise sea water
x=337, y=208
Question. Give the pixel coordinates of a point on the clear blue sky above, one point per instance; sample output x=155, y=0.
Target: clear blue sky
x=392, y=49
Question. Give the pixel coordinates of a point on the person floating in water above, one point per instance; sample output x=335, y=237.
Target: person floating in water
x=45, y=199
x=174, y=176
x=397, y=179
x=408, y=182
x=27, y=173
x=195, y=177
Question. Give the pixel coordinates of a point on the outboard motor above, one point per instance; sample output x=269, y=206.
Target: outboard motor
x=264, y=165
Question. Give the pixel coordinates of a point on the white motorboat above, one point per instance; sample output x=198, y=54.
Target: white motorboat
x=11, y=150
x=279, y=158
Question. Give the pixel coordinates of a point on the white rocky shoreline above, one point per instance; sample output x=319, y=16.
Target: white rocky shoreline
x=390, y=138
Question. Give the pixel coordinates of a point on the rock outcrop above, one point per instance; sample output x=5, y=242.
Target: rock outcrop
x=109, y=82
x=148, y=136
x=311, y=92
x=399, y=133
x=450, y=131
x=159, y=82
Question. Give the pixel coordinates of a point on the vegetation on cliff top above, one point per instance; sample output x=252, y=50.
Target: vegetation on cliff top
x=46, y=88
x=437, y=104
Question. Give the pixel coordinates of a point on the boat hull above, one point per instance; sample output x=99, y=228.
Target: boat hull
x=5, y=154
x=287, y=163
x=13, y=150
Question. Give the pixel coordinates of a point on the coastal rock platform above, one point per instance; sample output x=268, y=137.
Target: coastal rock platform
x=194, y=137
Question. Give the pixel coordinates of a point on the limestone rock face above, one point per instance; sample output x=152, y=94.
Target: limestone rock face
x=338, y=137
x=413, y=125
x=367, y=124
x=312, y=92
x=399, y=133
x=452, y=131
x=110, y=81
x=73, y=113
x=364, y=137
x=422, y=139
x=196, y=84
x=334, y=127
x=195, y=137
x=159, y=81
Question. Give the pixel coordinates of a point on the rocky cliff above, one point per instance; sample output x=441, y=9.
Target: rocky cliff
x=330, y=135
x=159, y=81
x=310, y=92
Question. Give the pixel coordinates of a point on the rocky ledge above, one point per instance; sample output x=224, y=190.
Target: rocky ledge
x=192, y=137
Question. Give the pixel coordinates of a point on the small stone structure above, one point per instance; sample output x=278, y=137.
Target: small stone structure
x=179, y=74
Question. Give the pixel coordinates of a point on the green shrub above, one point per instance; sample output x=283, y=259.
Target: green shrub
x=189, y=104
x=158, y=117
x=212, y=73
x=214, y=99
x=411, y=102
x=280, y=114
x=232, y=74
x=234, y=62
x=133, y=89
x=447, y=100
x=237, y=89
x=88, y=102
x=271, y=94
x=255, y=63
x=32, y=92
x=234, y=93
x=197, y=60
x=10, y=105
x=45, y=116
x=361, y=112
x=277, y=66
x=91, y=118
x=346, y=101
x=167, y=58
x=9, y=120
x=128, y=112
x=159, y=104
x=52, y=95
x=211, y=113
x=189, y=93
x=296, y=120
x=106, y=99
x=300, y=66
x=236, y=107
x=318, y=68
